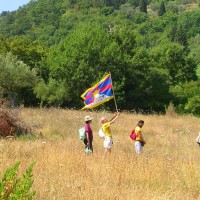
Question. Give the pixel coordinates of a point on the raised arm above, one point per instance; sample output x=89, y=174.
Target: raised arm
x=114, y=118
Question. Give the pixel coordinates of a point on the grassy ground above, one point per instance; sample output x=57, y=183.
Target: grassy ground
x=167, y=169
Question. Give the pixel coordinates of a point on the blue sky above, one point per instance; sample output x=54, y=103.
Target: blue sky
x=11, y=5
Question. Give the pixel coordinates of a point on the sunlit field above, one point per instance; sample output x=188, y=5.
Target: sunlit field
x=168, y=168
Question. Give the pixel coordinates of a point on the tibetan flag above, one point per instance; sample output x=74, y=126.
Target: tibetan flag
x=99, y=93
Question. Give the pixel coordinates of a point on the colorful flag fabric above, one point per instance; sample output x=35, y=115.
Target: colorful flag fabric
x=99, y=93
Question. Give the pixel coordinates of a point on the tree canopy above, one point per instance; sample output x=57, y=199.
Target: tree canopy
x=65, y=46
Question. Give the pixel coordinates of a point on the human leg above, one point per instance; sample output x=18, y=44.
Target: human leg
x=138, y=147
x=85, y=142
x=107, y=145
x=91, y=146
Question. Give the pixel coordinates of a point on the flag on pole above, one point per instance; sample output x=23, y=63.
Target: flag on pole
x=99, y=93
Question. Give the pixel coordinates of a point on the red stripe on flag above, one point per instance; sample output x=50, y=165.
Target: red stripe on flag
x=107, y=87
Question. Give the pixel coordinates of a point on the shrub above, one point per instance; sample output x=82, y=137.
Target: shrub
x=10, y=124
x=172, y=6
x=15, y=188
x=170, y=110
x=154, y=6
x=107, y=10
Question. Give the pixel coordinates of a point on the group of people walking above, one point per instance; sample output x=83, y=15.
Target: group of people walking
x=139, y=141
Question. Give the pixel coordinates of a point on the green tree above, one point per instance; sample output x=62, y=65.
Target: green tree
x=14, y=76
x=195, y=52
x=72, y=59
x=143, y=6
x=52, y=93
x=162, y=9
x=81, y=62
x=4, y=45
x=107, y=10
x=134, y=2
x=173, y=58
x=178, y=34
x=187, y=97
x=31, y=53
x=181, y=36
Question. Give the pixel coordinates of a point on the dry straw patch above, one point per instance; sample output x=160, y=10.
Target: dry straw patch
x=167, y=169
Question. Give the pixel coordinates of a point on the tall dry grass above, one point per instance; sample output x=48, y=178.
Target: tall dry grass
x=167, y=169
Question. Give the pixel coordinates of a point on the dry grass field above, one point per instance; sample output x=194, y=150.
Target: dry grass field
x=167, y=169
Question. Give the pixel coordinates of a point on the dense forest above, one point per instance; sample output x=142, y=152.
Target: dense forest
x=51, y=51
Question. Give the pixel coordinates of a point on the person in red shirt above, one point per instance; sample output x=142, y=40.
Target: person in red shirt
x=89, y=133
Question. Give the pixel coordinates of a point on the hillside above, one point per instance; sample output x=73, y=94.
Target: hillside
x=152, y=49
x=50, y=20
x=167, y=169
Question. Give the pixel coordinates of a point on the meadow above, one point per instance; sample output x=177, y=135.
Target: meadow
x=168, y=168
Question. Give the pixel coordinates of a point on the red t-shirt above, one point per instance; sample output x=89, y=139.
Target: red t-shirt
x=89, y=131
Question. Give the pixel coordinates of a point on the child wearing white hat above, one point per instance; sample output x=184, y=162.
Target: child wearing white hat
x=107, y=132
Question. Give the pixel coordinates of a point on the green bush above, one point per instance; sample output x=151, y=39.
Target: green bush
x=187, y=97
x=14, y=188
x=107, y=10
x=193, y=105
x=172, y=6
x=154, y=6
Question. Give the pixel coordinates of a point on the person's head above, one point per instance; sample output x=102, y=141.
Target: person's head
x=103, y=120
x=140, y=123
x=88, y=119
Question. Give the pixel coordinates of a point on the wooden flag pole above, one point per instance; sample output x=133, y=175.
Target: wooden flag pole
x=114, y=94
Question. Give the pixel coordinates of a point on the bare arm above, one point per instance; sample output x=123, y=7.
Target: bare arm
x=87, y=137
x=114, y=118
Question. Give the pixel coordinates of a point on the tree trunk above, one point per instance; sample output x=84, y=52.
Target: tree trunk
x=13, y=99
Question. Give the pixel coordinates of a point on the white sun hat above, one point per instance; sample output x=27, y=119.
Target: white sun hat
x=102, y=119
x=88, y=118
